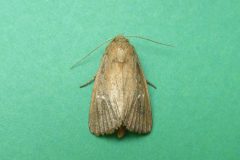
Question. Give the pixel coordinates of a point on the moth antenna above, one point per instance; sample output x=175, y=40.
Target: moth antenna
x=82, y=59
x=140, y=37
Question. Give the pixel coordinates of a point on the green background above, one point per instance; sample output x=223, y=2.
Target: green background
x=196, y=108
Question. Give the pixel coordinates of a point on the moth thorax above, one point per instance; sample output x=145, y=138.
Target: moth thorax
x=121, y=55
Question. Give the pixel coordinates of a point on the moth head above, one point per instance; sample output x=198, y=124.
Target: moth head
x=120, y=49
x=120, y=39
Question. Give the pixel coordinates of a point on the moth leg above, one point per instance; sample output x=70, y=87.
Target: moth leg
x=150, y=84
x=89, y=82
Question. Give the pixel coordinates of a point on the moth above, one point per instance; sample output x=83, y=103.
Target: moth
x=120, y=98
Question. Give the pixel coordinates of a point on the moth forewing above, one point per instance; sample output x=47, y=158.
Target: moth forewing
x=120, y=98
x=138, y=115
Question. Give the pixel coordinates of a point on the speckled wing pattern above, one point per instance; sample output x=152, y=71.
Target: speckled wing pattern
x=120, y=98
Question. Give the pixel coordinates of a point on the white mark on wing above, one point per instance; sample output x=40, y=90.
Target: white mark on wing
x=100, y=97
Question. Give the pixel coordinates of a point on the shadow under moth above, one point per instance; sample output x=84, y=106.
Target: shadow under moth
x=120, y=98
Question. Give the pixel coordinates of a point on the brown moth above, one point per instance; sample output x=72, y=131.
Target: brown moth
x=120, y=98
